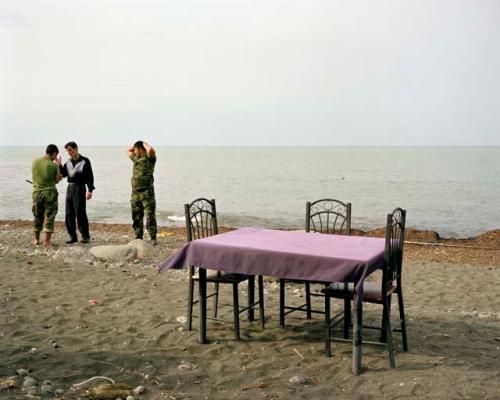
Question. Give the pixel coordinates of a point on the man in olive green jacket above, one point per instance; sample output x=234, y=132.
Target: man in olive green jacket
x=45, y=175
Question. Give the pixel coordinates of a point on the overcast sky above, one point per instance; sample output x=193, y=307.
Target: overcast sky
x=257, y=72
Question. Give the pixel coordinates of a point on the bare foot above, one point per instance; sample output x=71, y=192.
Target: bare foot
x=36, y=243
x=47, y=244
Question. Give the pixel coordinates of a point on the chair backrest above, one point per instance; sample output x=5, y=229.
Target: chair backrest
x=394, y=239
x=201, y=219
x=328, y=216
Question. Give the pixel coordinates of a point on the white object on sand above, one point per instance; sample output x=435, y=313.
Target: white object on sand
x=76, y=385
x=176, y=218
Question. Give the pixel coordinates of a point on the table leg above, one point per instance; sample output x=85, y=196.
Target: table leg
x=251, y=298
x=357, y=336
x=282, y=303
x=261, y=301
x=202, y=272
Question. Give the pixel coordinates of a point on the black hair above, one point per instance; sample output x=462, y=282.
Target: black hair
x=51, y=149
x=139, y=145
x=73, y=145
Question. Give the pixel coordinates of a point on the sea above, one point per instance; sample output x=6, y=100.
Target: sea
x=452, y=190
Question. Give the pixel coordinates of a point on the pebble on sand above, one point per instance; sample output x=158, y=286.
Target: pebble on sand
x=22, y=372
x=30, y=382
x=139, y=390
x=184, y=366
x=297, y=380
x=46, y=389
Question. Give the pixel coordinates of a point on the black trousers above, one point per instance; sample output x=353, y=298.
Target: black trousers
x=76, y=210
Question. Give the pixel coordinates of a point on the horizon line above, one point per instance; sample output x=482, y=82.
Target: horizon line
x=265, y=145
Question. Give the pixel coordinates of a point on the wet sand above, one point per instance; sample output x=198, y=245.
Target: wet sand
x=133, y=334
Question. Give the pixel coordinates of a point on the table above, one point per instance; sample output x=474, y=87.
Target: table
x=285, y=254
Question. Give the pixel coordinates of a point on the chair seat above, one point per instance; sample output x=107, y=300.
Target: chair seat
x=372, y=291
x=223, y=277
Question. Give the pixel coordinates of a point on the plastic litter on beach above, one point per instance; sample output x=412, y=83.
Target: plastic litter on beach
x=165, y=234
x=76, y=385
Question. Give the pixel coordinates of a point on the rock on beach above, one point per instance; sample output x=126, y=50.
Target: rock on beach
x=144, y=249
x=73, y=255
x=114, y=252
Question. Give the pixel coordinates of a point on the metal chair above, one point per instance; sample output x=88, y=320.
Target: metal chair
x=201, y=222
x=378, y=292
x=322, y=216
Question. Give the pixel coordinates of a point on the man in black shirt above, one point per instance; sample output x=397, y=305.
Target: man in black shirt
x=78, y=170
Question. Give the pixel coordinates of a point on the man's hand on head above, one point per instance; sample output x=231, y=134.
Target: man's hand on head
x=149, y=149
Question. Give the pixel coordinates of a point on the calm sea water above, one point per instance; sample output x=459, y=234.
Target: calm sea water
x=455, y=191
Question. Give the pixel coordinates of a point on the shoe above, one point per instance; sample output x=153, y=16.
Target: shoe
x=71, y=241
x=85, y=240
x=154, y=242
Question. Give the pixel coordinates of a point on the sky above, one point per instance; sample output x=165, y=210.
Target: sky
x=250, y=73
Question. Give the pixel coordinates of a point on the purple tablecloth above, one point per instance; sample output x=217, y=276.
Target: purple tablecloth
x=284, y=254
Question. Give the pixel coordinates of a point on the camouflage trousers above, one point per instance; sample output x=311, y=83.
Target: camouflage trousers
x=143, y=202
x=44, y=210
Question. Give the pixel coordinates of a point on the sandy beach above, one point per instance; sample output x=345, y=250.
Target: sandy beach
x=134, y=333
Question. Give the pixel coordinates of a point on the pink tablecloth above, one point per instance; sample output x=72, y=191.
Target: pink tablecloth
x=284, y=254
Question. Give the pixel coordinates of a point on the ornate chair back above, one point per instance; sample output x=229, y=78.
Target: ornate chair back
x=328, y=216
x=201, y=219
x=394, y=239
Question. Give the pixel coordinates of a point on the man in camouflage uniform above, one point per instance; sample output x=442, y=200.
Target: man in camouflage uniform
x=143, y=193
x=45, y=175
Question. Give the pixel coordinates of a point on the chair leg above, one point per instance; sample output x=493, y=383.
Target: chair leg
x=261, y=301
x=347, y=317
x=216, y=299
x=190, y=303
x=386, y=314
x=236, y=312
x=308, y=300
x=403, y=320
x=357, y=335
x=388, y=333
x=327, y=326
x=282, y=303
x=251, y=298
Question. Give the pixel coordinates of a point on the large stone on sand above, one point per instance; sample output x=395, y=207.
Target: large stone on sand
x=114, y=252
x=144, y=249
x=73, y=255
x=106, y=391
